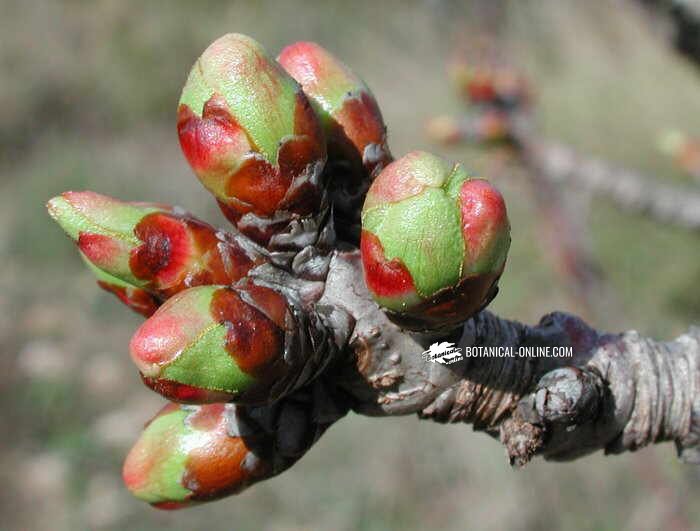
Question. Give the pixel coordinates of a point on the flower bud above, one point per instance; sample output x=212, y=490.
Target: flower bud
x=139, y=300
x=215, y=344
x=149, y=246
x=349, y=113
x=434, y=241
x=190, y=454
x=250, y=135
x=352, y=122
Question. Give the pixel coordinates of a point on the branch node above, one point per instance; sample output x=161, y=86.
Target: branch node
x=521, y=439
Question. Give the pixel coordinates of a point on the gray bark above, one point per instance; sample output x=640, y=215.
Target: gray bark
x=618, y=392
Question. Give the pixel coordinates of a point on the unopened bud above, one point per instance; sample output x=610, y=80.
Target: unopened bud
x=214, y=344
x=150, y=246
x=250, y=135
x=434, y=241
x=352, y=122
x=190, y=454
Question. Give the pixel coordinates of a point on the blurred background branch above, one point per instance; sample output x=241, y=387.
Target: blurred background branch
x=684, y=16
x=89, y=100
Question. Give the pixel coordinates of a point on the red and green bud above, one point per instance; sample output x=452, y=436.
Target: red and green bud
x=188, y=454
x=352, y=122
x=148, y=247
x=434, y=241
x=350, y=115
x=215, y=344
x=250, y=135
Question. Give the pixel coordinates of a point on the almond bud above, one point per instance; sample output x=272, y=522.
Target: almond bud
x=190, y=454
x=434, y=241
x=215, y=344
x=149, y=246
x=251, y=136
x=352, y=122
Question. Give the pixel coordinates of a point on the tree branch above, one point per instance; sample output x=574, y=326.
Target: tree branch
x=618, y=392
x=629, y=189
x=560, y=165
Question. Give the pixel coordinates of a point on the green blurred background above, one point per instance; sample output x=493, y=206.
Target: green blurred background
x=87, y=101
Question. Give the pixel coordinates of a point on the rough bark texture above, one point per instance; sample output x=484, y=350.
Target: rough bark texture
x=617, y=393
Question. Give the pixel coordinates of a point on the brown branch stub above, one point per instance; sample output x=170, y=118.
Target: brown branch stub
x=618, y=392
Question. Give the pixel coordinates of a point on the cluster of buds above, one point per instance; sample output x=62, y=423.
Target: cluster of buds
x=290, y=148
x=259, y=134
x=497, y=96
